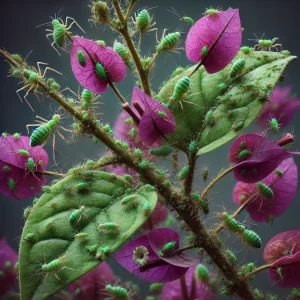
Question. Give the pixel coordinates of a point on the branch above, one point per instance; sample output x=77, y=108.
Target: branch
x=257, y=270
x=188, y=183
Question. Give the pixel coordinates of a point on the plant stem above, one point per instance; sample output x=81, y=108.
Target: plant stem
x=257, y=270
x=155, y=57
x=124, y=32
x=188, y=183
x=184, y=290
x=191, y=218
x=117, y=92
x=48, y=173
x=216, y=180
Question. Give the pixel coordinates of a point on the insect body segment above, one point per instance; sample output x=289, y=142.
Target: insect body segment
x=169, y=42
x=76, y=215
x=81, y=58
x=237, y=68
x=117, y=291
x=231, y=223
x=274, y=125
x=267, y=45
x=180, y=88
x=252, y=238
x=264, y=190
x=100, y=71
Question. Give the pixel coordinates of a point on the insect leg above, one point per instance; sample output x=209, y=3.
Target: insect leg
x=23, y=88
x=31, y=125
x=52, y=45
x=74, y=22
x=50, y=69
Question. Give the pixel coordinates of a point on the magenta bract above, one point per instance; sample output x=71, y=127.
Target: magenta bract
x=262, y=209
x=8, y=259
x=223, y=32
x=17, y=180
x=172, y=290
x=281, y=105
x=262, y=157
x=92, y=285
x=165, y=268
x=94, y=53
x=156, y=121
x=283, y=252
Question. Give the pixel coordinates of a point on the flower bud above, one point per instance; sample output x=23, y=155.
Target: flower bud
x=100, y=12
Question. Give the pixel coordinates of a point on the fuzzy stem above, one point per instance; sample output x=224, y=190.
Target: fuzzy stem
x=216, y=180
x=257, y=270
x=188, y=183
x=184, y=291
x=155, y=57
x=48, y=173
x=118, y=94
x=129, y=10
x=191, y=218
x=124, y=32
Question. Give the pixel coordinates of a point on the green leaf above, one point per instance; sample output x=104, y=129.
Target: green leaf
x=234, y=108
x=49, y=235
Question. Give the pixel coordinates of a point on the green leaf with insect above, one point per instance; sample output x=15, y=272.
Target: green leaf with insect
x=215, y=115
x=77, y=224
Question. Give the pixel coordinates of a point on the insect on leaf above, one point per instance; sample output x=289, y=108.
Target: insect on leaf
x=98, y=204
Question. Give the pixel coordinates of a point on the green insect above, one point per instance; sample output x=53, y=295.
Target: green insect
x=6, y=169
x=23, y=152
x=222, y=87
x=16, y=136
x=188, y=20
x=80, y=186
x=211, y=12
x=12, y=185
x=231, y=223
x=81, y=58
x=156, y=288
x=181, y=86
x=103, y=252
x=176, y=72
x=122, y=51
x=147, y=208
x=29, y=237
x=204, y=51
x=202, y=273
x=243, y=154
x=231, y=257
x=264, y=190
x=99, y=69
x=30, y=165
x=193, y=146
x=168, y=42
x=117, y=291
x=279, y=173
x=163, y=151
x=49, y=225
x=237, y=68
x=109, y=226
x=238, y=125
x=252, y=238
x=246, y=50
x=129, y=199
x=209, y=119
x=61, y=31
x=286, y=52
x=183, y=173
x=82, y=236
x=204, y=174
x=267, y=45
x=76, y=215
x=274, y=125
x=167, y=248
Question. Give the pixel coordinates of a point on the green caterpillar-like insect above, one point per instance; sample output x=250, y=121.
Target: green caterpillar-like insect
x=180, y=88
x=237, y=68
x=100, y=71
x=81, y=58
x=252, y=238
x=163, y=151
x=265, y=190
x=169, y=42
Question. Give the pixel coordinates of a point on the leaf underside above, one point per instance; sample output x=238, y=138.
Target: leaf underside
x=241, y=104
x=102, y=199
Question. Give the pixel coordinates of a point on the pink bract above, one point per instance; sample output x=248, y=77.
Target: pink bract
x=92, y=285
x=153, y=127
x=167, y=269
x=172, y=290
x=263, y=157
x=8, y=259
x=112, y=63
x=13, y=167
x=262, y=209
x=283, y=252
x=281, y=105
x=223, y=32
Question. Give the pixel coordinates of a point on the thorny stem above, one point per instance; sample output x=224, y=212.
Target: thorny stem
x=188, y=183
x=191, y=218
x=124, y=32
x=216, y=180
x=257, y=270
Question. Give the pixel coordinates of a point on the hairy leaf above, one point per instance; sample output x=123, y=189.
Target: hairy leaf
x=54, y=236
x=234, y=105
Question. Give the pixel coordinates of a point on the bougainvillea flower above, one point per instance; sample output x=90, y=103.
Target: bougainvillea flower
x=201, y=291
x=256, y=157
x=8, y=275
x=144, y=257
x=284, y=187
x=281, y=105
x=283, y=252
x=91, y=285
x=99, y=66
x=159, y=215
x=221, y=34
x=20, y=167
x=156, y=121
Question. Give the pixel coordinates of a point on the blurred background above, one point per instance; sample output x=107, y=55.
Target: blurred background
x=18, y=34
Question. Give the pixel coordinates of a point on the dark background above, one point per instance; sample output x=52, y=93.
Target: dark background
x=18, y=34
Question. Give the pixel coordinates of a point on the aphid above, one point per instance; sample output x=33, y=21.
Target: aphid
x=286, y=52
x=192, y=146
x=204, y=174
x=265, y=190
x=252, y=238
x=238, y=125
x=80, y=186
x=243, y=154
x=6, y=169
x=109, y=226
x=211, y=11
x=156, y=288
x=23, y=152
x=61, y=31
x=204, y=51
x=49, y=224
x=231, y=257
x=181, y=86
x=274, y=125
x=201, y=273
x=129, y=199
x=167, y=248
x=188, y=20
x=81, y=58
x=75, y=216
x=117, y=291
x=144, y=164
x=30, y=165
x=122, y=51
x=237, y=68
x=16, y=136
x=183, y=173
x=209, y=120
x=246, y=49
x=54, y=266
x=163, y=151
x=169, y=42
x=279, y=173
x=100, y=71
x=267, y=45
x=29, y=237
x=231, y=223
x=81, y=236
x=103, y=252
x=222, y=87
x=101, y=42
x=11, y=185
x=92, y=249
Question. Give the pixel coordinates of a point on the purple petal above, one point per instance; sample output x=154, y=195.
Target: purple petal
x=264, y=156
x=262, y=209
x=161, y=236
x=10, y=277
x=221, y=31
x=172, y=290
x=162, y=273
x=152, y=127
x=92, y=284
x=281, y=106
x=112, y=63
